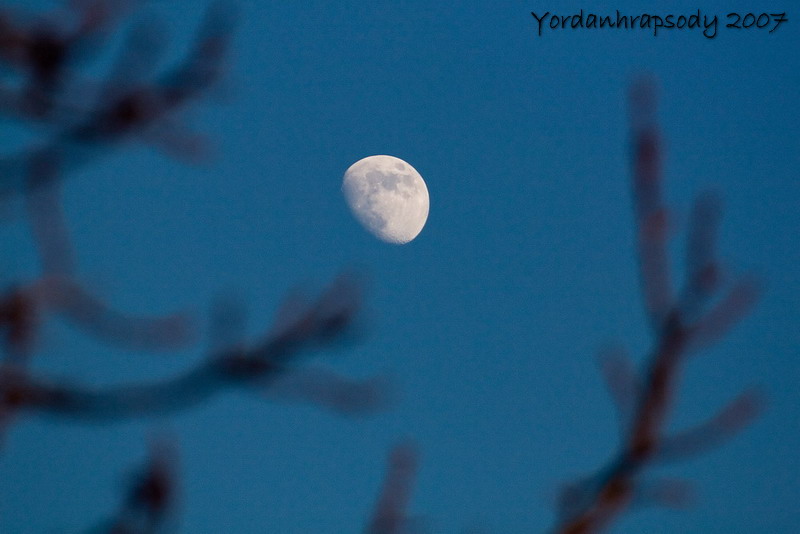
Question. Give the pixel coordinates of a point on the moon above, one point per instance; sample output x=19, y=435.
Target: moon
x=388, y=197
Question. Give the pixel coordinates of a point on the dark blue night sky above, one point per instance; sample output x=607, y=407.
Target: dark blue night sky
x=487, y=325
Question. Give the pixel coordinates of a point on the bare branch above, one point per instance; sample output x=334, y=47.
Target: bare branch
x=150, y=503
x=75, y=304
x=591, y=504
x=731, y=309
x=651, y=215
x=734, y=417
x=390, y=516
x=624, y=384
x=702, y=270
x=322, y=324
x=49, y=229
x=325, y=388
x=43, y=51
x=130, y=113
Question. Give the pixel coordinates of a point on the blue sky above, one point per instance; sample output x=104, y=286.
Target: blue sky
x=488, y=322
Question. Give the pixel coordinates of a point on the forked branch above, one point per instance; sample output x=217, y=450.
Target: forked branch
x=681, y=322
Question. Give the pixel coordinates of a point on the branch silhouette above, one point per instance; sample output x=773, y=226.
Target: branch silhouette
x=46, y=54
x=390, y=515
x=126, y=108
x=320, y=324
x=149, y=506
x=681, y=322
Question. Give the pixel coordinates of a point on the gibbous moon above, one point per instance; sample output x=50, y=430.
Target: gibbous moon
x=388, y=197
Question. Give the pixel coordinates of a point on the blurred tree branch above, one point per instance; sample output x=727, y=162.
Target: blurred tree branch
x=681, y=322
x=41, y=58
